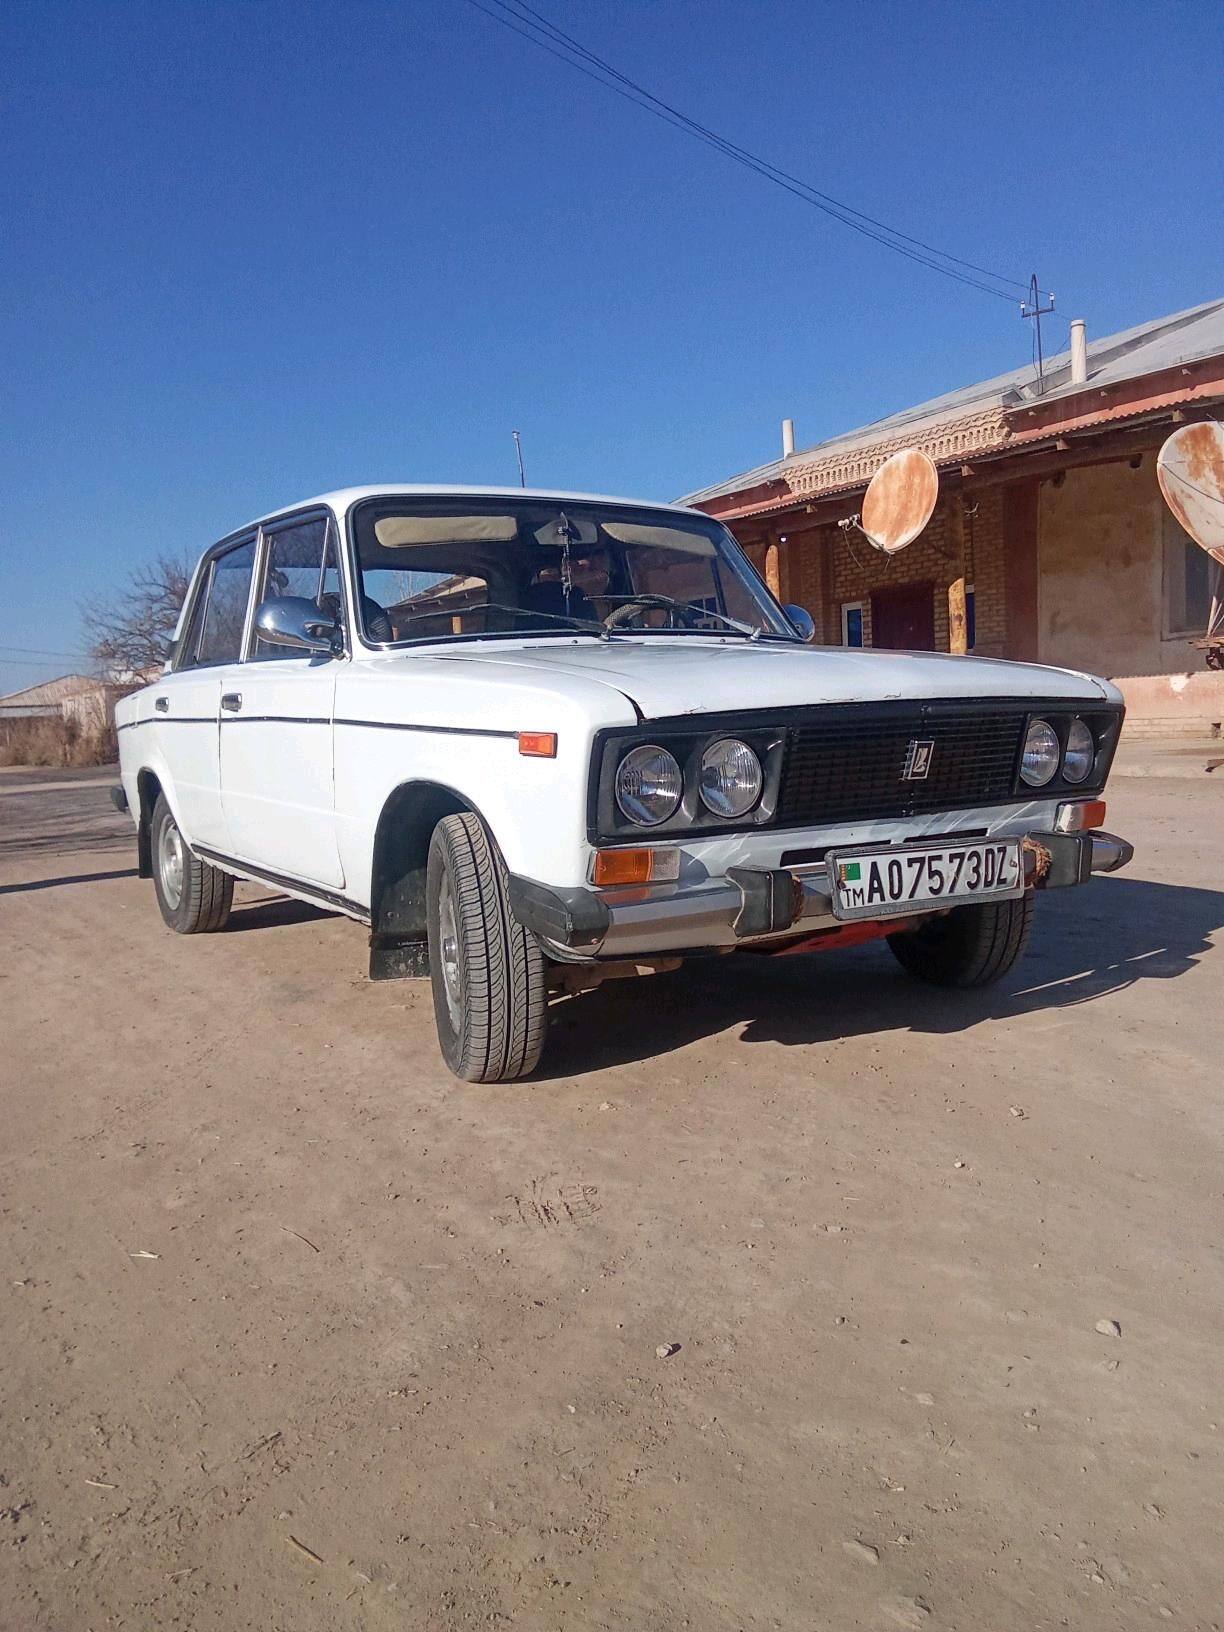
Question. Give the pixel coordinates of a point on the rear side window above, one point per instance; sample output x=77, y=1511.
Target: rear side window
x=215, y=632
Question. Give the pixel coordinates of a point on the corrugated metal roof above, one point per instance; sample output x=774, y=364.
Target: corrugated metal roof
x=1182, y=337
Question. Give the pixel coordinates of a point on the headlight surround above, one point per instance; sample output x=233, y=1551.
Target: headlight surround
x=1079, y=756
x=649, y=785
x=1042, y=754
x=731, y=778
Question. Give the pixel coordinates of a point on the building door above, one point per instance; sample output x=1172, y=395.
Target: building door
x=903, y=618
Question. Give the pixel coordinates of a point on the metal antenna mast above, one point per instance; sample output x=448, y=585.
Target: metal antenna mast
x=1032, y=310
x=518, y=450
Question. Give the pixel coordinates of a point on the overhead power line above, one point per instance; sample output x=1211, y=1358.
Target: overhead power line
x=523, y=19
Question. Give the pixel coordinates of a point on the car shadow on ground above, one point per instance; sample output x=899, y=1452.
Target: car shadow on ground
x=273, y=912
x=1085, y=945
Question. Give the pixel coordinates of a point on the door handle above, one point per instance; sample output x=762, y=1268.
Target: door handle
x=162, y=705
x=231, y=701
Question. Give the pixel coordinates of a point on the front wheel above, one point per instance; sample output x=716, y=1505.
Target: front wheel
x=969, y=946
x=194, y=898
x=489, y=994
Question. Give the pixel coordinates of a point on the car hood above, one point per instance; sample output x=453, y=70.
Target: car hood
x=687, y=675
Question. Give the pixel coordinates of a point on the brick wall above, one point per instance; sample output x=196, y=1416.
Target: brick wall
x=824, y=568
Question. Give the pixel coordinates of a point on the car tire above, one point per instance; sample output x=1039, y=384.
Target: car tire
x=490, y=999
x=194, y=898
x=969, y=946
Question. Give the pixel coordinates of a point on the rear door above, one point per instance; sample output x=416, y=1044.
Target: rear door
x=186, y=702
x=276, y=722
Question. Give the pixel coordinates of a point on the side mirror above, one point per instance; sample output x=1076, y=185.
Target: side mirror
x=292, y=620
x=801, y=620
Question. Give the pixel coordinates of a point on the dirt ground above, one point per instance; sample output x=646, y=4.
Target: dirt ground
x=299, y=1334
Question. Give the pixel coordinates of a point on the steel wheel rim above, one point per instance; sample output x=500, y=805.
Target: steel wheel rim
x=448, y=946
x=171, y=862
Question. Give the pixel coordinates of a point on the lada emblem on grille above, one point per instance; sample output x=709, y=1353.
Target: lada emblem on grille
x=918, y=758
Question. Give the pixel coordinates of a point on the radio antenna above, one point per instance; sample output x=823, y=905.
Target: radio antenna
x=518, y=451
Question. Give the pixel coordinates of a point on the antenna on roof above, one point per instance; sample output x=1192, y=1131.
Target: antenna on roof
x=1031, y=310
x=518, y=450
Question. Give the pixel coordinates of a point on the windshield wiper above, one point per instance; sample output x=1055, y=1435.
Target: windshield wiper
x=670, y=602
x=590, y=626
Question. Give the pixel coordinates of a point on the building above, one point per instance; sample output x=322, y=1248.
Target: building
x=1049, y=513
x=77, y=706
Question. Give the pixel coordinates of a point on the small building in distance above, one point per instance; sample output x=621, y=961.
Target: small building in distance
x=1048, y=505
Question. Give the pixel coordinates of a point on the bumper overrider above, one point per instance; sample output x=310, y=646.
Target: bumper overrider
x=752, y=904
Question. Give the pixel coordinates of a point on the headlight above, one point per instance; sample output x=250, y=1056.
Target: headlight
x=730, y=778
x=648, y=785
x=1041, y=754
x=1081, y=752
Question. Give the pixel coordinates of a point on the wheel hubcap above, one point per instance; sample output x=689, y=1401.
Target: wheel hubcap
x=449, y=942
x=170, y=862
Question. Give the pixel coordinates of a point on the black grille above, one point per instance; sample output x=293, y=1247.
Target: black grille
x=852, y=769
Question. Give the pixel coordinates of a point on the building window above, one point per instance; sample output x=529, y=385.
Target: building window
x=970, y=617
x=852, y=623
x=1187, y=582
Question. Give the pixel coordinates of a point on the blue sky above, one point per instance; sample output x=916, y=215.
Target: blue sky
x=254, y=251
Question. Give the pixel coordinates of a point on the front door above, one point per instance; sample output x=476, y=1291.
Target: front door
x=276, y=726
x=903, y=618
x=186, y=701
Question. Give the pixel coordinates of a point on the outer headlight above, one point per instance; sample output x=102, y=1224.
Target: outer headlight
x=1041, y=754
x=648, y=785
x=730, y=778
x=1081, y=753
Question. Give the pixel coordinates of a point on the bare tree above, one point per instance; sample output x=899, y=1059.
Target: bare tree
x=131, y=632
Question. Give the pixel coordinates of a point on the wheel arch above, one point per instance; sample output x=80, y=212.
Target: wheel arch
x=399, y=945
x=148, y=786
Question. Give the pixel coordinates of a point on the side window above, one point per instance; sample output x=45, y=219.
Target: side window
x=300, y=560
x=215, y=633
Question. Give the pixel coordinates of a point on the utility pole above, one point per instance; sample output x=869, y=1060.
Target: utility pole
x=1031, y=310
x=518, y=449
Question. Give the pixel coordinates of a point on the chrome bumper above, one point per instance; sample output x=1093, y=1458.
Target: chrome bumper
x=750, y=904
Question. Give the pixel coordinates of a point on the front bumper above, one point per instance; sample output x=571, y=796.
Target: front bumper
x=750, y=904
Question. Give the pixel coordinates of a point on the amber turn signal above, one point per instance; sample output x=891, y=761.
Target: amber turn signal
x=1080, y=817
x=636, y=866
x=538, y=744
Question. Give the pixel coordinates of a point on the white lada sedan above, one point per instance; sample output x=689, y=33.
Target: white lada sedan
x=538, y=740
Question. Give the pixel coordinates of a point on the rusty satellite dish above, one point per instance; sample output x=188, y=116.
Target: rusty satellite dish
x=899, y=501
x=1190, y=470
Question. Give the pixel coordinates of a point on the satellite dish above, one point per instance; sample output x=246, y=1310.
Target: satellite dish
x=899, y=501
x=1190, y=470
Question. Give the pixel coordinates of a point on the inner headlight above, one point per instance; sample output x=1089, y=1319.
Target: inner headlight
x=648, y=785
x=1081, y=752
x=1041, y=754
x=730, y=778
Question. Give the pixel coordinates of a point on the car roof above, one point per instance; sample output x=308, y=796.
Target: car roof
x=341, y=498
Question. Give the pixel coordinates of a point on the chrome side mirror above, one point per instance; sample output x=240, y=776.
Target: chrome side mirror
x=801, y=621
x=292, y=620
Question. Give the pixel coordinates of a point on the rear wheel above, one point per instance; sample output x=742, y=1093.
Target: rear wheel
x=194, y=898
x=969, y=946
x=489, y=994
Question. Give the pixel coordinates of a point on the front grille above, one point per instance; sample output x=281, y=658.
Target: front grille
x=850, y=769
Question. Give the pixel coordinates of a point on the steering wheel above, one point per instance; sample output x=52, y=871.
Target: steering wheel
x=680, y=614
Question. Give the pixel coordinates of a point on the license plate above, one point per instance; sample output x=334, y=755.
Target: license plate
x=887, y=883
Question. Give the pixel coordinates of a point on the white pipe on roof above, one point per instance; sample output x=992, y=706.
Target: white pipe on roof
x=788, y=438
x=1079, y=352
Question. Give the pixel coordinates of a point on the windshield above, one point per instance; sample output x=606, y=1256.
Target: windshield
x=471, y=567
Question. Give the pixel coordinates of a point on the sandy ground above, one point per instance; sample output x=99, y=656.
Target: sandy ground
x=299, y=1334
